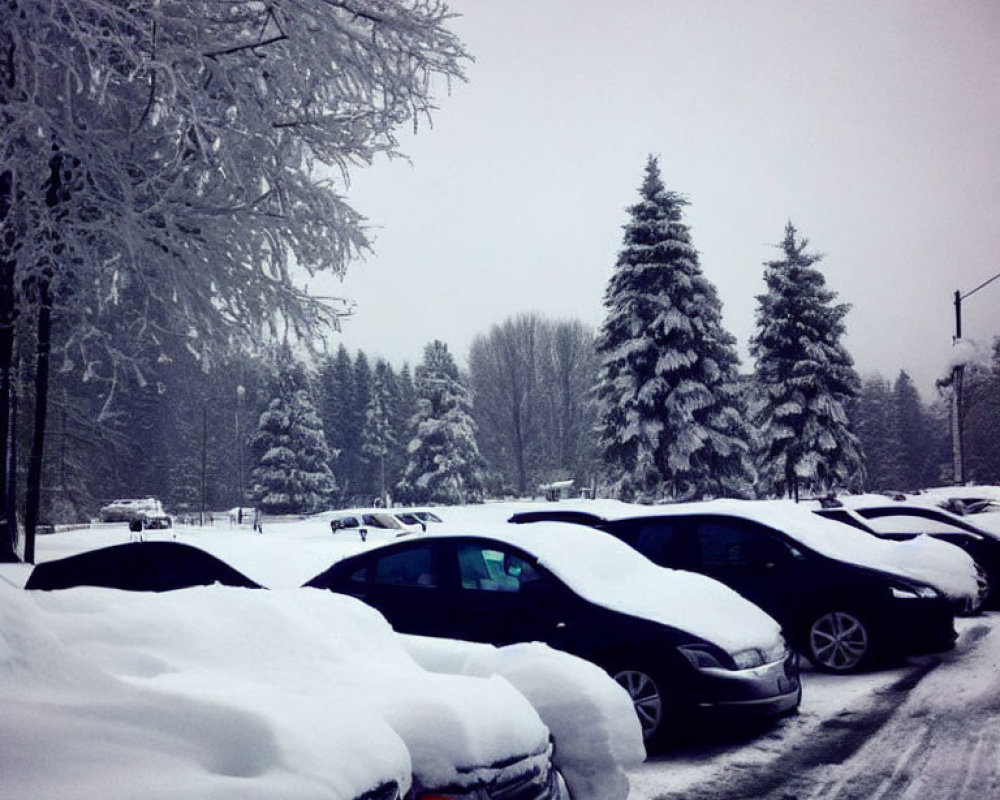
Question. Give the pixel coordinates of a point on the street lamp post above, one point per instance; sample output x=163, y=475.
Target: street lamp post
x=240, y=392
x=957, y=377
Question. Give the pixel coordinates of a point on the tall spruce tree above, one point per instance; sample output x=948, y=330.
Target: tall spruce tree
x=918, y=469
x=805, y=379
x=292, y=472
x=874, y=421
x=671, y=421
x=336, y=391
x=444, y=462
x=378, y=439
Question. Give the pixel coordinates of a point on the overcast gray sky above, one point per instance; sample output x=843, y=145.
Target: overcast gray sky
x=873, y=126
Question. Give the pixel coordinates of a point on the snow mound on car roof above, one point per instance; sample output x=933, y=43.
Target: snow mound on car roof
x=84, y=716
x=303, y=693
x=609, y=573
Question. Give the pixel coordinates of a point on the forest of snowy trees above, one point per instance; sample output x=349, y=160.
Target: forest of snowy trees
x=653, y=406
x=172, y=173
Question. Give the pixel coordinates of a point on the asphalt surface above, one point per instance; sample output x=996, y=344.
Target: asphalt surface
x=922, y=737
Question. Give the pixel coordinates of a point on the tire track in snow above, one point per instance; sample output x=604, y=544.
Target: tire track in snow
x=953, y=755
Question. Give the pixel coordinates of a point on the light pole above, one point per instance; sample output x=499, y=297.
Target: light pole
x=957, y=377
x=240, y=392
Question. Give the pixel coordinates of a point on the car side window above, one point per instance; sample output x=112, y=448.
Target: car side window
x=346, y=522
x=488, y=569
x=724, y=543
x=414, y=566
x=666, y=543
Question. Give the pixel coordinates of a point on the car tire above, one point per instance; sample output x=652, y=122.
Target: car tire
x=839, y=640
x=654, y=706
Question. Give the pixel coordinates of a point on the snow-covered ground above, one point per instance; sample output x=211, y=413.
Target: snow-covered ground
x=966, y=686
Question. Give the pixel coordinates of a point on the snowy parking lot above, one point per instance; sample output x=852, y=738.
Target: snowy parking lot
x=924, y=728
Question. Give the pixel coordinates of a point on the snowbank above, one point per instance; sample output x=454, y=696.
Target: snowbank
x=85, y=716
x=593, y=722
x=232, y=693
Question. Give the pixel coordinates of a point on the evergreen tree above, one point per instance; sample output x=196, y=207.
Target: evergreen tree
x=981, y=419
x=874, y=420
x=377, y=436
x=444, y=462
x=917, y=467
x=336, y=407
x=362, y=473
x=292, y=472
x=805, y=376
x=670, y=416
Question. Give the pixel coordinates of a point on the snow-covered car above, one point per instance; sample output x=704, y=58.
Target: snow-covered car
x=844, y=598
x=416, y=518
x=364, y=522
x=289, y=694
x=130, y=510
x=909, y=519
x=117, y=700
x=936, y=554
x=138, y=567
x=681, y=644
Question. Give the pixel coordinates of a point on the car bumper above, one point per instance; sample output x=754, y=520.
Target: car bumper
x=768, y=690
x=910, y=627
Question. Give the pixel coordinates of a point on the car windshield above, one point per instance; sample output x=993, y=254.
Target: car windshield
x=383, y=521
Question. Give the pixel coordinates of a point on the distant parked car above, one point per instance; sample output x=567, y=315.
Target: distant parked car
x=146, y=510
x=363, y=521
x=415, y=520
x=901, y=520
x=682, y=645
x=834, y=601
x=138, y=567
x=944, y=550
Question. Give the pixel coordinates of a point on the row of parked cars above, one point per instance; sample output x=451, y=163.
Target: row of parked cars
x=841, y=596
x=699, y=611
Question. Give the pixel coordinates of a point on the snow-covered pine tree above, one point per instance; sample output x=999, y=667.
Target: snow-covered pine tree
x=292, y=472
x=377, y=436
x=874, y=422
x=805, y=378
x=444, y=462
x=671, y=421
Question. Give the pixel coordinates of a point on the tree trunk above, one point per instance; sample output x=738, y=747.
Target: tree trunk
x=8, y=313
x=33, y=496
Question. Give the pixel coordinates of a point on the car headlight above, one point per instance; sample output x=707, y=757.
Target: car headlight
x=748, y=659
x=912, y=592
x=701, y=656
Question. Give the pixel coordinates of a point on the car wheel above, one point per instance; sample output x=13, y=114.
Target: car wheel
x=652, y=705
x=839, y=641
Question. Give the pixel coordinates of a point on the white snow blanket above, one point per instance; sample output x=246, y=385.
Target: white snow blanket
x=221, y=693
x=593, y=722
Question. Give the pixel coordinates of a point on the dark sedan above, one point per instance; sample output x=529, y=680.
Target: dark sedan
x=842, y=615
x=521, y=586
x=903, y=520
x=138, y=567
